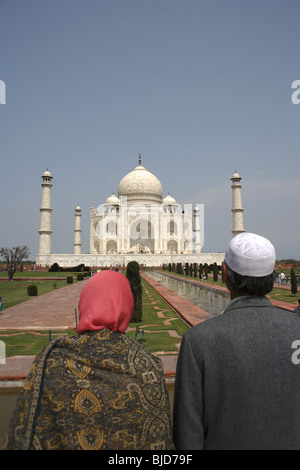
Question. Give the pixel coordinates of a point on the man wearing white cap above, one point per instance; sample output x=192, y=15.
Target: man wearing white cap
x=238, y=377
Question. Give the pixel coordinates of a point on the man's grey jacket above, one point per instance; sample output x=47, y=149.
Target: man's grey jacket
x=238, y=380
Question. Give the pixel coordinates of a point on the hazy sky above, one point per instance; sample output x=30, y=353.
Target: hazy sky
x=199, y=88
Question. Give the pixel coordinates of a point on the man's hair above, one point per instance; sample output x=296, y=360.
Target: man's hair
x=251, y=285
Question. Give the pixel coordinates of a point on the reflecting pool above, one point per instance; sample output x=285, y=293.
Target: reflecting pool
x=211, y=301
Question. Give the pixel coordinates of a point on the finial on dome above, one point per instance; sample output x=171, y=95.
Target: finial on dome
x=140, y=159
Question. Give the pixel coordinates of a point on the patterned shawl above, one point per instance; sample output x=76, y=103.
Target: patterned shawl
x=97, y=390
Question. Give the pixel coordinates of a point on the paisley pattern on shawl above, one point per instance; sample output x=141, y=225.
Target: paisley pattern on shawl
x=97, y=390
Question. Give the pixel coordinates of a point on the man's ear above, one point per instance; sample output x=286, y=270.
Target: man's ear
x=225, y=272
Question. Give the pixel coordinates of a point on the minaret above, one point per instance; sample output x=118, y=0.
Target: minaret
x=237, y=208
x=45, y=226
x=77, y=231
x=197, y=241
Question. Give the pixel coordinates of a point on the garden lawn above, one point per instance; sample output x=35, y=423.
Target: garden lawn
x=28, y=343
x=15, y=292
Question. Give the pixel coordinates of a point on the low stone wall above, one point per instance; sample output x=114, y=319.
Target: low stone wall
x=66, y=260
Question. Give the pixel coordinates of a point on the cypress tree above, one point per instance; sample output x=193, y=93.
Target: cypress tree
x=215, y=272
x=195, y=269
x=206, y=270
x=294, y=288
x=200, y=270
x=134, y=278
x=187, y=269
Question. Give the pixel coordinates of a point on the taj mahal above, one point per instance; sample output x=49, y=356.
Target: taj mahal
x=139, y=224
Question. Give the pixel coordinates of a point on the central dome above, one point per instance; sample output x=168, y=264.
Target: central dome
x=140, y=185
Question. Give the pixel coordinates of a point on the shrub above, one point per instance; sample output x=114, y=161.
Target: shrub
x=32, y=290
x=215, y=272
x=70, y=280
x=294, y=287
x=200, y=270
x=134, y=278
x=187, y=269
x=55, y=268
x=80, y=277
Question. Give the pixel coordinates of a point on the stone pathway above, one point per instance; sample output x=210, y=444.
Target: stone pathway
x=54, y=310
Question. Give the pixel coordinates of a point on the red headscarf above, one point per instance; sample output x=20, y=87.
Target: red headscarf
x=106, y=301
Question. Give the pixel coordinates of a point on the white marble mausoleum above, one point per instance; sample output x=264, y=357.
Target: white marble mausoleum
x=139, y=223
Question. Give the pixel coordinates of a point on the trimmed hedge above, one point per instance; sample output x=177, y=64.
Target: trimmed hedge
x=32, y=290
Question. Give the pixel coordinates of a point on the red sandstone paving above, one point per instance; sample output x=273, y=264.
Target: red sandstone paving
x=54, y=310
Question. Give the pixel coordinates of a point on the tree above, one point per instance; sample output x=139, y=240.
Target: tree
x=13, y=258
x=293, y=282
x=134, y=278
x=206, y=270
x=187, y=269
x=195, y=270
x=215, y=272
x=200, y=270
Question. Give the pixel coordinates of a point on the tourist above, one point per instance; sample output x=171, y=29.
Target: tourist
x=238, y=374
x=97, y=390
x=297, y=309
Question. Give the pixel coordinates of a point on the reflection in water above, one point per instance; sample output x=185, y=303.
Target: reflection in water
x=213, y=302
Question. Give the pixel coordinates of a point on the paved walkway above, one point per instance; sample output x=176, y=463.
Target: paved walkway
x=56, y=311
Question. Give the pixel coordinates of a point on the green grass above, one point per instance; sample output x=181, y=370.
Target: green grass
x=3, y=274
x=15, y=292
x=27, y=344
x=160, y=340
x=284, y=295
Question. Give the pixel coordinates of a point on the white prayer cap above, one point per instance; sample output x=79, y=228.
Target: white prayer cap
x=250, y=255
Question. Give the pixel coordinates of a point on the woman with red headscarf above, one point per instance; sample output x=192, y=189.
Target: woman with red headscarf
x=97, y=390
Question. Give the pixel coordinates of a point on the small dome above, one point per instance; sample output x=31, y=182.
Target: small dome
x=47, y=173
x=77, y=208
x=113, y=200
x=236, y=176
x=169, y=200
x=140, y=185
